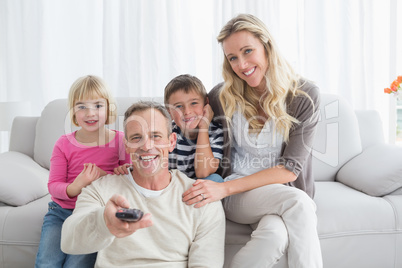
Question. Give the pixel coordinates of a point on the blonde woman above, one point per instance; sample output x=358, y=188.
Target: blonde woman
x=271, y=114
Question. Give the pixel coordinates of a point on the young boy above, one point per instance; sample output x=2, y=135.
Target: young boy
x=199, y=139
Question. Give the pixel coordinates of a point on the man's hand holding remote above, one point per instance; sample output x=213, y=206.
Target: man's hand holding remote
x=118, y=227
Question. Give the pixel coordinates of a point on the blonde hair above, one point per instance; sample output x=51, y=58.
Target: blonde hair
x=281, y=80
x=91, y=87
x=187, y=83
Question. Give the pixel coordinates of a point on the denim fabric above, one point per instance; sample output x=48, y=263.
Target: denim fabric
x=49, y=252
x=214, y=177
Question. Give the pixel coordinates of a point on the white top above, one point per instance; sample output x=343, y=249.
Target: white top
x=253, y=152
x=144, y=191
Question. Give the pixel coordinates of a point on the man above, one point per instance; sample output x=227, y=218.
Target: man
x=171, y=233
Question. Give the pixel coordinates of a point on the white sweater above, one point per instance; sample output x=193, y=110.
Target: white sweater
x=181, y=235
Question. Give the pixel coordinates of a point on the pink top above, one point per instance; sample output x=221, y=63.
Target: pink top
x=69, y=157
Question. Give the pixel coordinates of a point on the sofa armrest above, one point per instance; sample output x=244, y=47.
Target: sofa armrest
x=22, y=180
x=377, y=171
x=22, y=138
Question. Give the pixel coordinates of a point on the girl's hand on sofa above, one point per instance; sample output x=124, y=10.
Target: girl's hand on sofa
x=204, y=192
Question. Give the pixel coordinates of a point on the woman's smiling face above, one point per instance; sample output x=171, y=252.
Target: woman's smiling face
x=247, y=57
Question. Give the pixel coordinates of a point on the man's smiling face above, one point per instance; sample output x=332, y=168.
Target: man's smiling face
x=148, y=142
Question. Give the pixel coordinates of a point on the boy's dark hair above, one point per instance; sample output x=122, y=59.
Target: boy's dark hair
x=187, y=83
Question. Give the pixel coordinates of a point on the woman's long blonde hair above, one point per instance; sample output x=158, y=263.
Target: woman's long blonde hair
x=281, y=80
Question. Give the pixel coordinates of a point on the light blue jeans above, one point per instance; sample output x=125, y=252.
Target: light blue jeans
x=214, y=177
x=49, y=252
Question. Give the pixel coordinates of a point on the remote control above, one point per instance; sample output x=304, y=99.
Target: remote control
x=129, y=214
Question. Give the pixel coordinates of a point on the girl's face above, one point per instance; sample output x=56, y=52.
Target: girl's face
x=91, y=114
x=247, y=57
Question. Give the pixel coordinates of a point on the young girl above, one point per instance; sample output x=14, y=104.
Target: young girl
x=79, y=158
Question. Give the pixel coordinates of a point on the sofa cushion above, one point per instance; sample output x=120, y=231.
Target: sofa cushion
x=337, y=139
x=356, y=229
x=370, y=126
x=21, y=180
x=20, y=230
x=343, y=211
x=379, y=170
x=236, y=233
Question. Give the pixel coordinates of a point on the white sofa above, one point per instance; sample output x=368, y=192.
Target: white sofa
x=358, y=187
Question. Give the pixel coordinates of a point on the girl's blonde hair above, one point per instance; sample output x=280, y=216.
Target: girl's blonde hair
x=281, y=80
x=91, y=87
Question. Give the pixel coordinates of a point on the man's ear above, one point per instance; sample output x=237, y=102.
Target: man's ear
x=172, y=141
x=126, y=146
x=169, y=110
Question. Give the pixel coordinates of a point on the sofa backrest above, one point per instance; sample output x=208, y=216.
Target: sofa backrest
x=371, y=128
x=22, y=138
x=50, y=126
x=337, y=139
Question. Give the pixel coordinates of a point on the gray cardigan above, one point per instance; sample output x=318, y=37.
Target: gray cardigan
x=296, y=154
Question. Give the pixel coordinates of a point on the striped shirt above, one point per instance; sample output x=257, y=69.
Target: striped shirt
x=182, y=157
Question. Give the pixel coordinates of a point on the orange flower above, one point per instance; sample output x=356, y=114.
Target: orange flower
x=396, y=86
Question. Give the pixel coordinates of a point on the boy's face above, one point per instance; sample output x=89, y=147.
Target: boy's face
x=186, y=109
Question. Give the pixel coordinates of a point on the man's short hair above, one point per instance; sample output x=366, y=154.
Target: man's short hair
x=142, y=106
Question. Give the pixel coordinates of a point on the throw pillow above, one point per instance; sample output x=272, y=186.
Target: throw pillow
x=377, y=171
x=22, y=180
